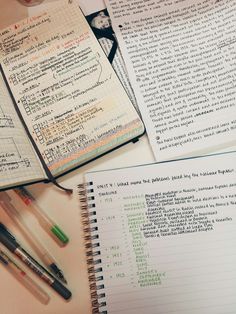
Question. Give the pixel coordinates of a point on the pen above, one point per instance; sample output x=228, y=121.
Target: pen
x=13, y=213
x=8, y=240
x=29, y=283
x=47, y=223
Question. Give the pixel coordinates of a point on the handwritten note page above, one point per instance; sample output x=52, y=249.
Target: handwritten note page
x=73, y=103
x=18, y=162
x=167, y=236
x=181, y=59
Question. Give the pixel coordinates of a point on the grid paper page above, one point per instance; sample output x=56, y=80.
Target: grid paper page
x=18, y=162
x=68, y=93
x=167, y=236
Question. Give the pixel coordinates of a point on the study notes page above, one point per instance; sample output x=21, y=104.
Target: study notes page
x=18, y=162
x=180, y=56
x=167, y=236
x=68, y=94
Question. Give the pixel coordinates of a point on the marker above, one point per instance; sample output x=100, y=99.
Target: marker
x=47, y=223
x=29, y=283
x=13, y=213
x=9, y=241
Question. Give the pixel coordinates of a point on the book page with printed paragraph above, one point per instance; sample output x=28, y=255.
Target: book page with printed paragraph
x=167, y=237
x=69, y=96
x=180, y=56
x=18, y=162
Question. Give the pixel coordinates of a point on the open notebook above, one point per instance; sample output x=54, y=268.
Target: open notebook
x=61, y=103
x=161, y=238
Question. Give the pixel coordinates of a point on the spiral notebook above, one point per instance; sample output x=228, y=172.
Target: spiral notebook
x=161, y=238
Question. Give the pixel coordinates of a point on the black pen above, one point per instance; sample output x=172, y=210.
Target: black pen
x=10, y=242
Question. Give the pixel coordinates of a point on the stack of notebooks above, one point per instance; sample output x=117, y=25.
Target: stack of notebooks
x=159, y=238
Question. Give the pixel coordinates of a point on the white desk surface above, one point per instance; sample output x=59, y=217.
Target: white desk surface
x=15, y=299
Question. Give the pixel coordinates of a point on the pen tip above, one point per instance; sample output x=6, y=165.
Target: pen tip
x=63, y=279
x=54, y=268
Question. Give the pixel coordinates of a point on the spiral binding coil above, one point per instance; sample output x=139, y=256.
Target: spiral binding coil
x=85, y=192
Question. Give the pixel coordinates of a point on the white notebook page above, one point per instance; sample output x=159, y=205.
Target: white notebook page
x=180, y=56
x=167, y=236
x=18, y=162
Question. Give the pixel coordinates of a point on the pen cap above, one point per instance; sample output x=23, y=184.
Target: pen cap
x=7, y=239
x=60, y=234
x=62, y=290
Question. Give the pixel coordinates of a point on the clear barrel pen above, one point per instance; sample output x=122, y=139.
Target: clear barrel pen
x=44, y=220
x=42, y=252
x=29, y=283
x=10, y=242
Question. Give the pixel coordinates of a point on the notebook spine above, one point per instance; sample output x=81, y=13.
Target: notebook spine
x=91, y=238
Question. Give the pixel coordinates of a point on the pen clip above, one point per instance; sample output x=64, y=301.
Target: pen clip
x=3, y=229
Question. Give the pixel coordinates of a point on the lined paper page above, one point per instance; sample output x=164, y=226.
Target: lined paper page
x=180, y=56
x=18, y=162
x=167, y=235
x=68, y=93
